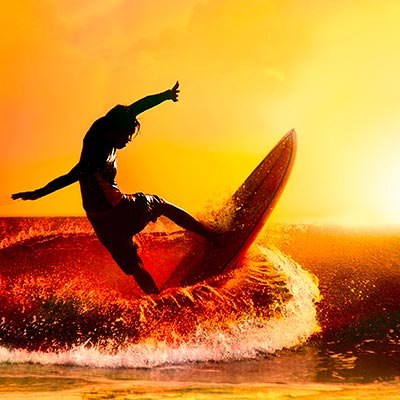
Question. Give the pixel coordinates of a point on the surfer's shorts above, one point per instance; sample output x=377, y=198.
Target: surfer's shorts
x=127, y=218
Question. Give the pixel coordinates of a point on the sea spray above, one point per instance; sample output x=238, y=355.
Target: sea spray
x=264, y=306
x=300, y=310
x=22, y=230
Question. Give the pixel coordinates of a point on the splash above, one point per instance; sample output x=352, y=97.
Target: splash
x=265, y=305
x=20, y=230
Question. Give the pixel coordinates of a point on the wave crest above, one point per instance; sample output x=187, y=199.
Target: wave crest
x=265, y=305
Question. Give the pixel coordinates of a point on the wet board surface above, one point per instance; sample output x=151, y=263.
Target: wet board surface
x=249, y=208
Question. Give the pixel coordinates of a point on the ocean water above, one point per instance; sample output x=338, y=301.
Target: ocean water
x=311, y=312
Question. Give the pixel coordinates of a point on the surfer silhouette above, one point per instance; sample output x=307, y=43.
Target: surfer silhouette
x=115, y=216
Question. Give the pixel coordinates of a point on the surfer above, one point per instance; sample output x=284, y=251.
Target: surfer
x=116, y=217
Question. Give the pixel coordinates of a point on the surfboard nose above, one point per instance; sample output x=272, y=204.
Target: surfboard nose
x=249, y=208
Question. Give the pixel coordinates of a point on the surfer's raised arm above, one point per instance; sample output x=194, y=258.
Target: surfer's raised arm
x=56, y=184
x=151, y=101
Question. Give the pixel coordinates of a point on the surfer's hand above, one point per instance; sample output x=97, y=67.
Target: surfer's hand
x=33, y=195
x=174, y=92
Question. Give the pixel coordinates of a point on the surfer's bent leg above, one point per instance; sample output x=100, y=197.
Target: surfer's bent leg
x=126, y=256
x=186, y=221
x=149, y=207
x=154, y=206
x=115, y=233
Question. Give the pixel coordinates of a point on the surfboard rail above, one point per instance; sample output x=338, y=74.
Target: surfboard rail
x=251, y=205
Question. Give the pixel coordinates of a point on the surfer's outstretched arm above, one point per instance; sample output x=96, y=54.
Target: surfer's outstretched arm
x=154, y=100
x=56, y=184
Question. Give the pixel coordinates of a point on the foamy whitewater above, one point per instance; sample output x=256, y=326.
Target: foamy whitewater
x=248, y=339
x=252, y=332
x=311, y=311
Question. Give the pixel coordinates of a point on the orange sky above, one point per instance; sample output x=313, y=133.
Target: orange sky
x=249, y=72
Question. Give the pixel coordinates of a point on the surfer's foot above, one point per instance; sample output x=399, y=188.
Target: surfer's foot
x=145, y=281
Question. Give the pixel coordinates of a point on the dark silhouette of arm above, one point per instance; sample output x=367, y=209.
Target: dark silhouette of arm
x=93, y=160
x=56, y=184
x=154, y=100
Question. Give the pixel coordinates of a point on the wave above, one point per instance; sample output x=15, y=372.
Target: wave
x=20, y=230
x=50, y=317
x=64, y=301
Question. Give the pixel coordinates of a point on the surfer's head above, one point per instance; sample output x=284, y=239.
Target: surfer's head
x=123, y=125
x=123, y=137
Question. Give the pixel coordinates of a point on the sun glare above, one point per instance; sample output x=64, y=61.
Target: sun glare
x=384, y=190
x=387, y=199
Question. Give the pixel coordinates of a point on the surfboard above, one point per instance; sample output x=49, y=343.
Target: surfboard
x=249, y=208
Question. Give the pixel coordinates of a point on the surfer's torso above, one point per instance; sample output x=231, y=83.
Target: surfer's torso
x=98, y=160
x=97, y=166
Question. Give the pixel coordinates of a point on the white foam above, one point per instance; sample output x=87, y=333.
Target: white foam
x=247, y=339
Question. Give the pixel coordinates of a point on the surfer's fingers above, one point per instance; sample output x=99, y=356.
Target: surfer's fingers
x=25, y=196
x=22, y=195
x=174, y=92
x=16, y=196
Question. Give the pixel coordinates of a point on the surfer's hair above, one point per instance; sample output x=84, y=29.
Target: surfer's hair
x=136, y=128
x=121, y=119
